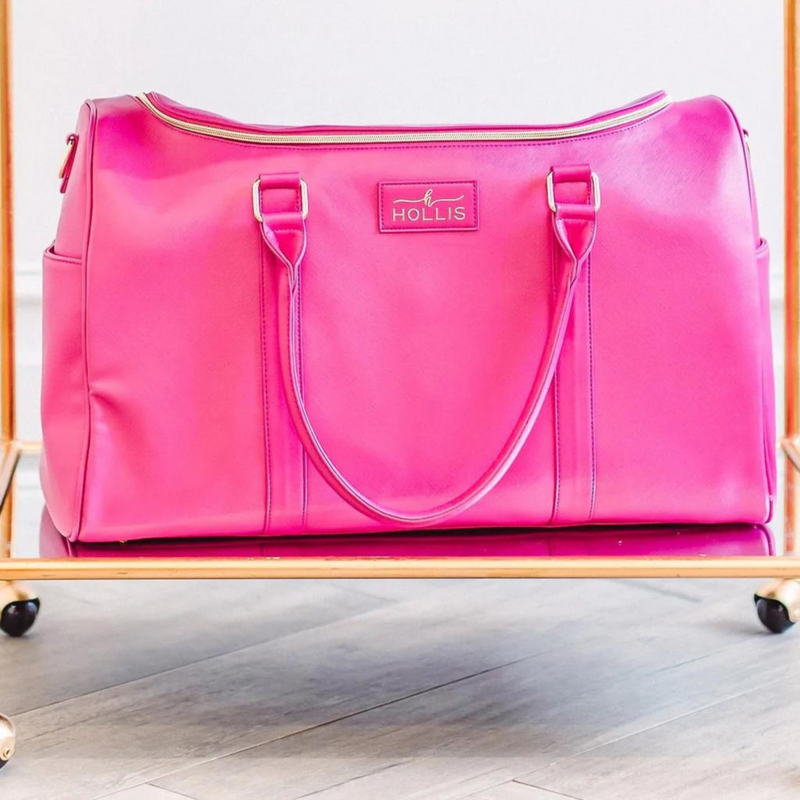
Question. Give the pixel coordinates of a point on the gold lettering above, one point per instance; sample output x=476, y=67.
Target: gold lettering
x=428, y=209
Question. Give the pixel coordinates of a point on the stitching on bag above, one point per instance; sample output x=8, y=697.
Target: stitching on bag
x=289, y=337
x=72, y=261
x=304, y=457
x=470, y=229
x=762, y=251
x=265, y=392
x=432, y=229
x=565, y=223
x=303, y=454
x=289, y=341
x=593, y=441
x=427, y=183
x=554, y=255
x=80, y=488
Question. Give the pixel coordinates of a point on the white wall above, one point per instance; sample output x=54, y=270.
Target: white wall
x=348, y=61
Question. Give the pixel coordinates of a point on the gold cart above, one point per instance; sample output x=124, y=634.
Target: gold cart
x=778, y=602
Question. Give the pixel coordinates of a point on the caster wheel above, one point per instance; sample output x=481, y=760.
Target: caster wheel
x=19, y=608
x=774, y=615
x=8, y=740
x=778, y=605
x=18, y=617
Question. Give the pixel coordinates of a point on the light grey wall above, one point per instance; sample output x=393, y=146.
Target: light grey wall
x=350, y=61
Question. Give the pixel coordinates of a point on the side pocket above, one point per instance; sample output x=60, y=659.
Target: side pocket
x=767, y=371
x=64, y=394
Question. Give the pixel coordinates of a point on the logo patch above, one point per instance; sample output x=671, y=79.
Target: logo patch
x=419, y=206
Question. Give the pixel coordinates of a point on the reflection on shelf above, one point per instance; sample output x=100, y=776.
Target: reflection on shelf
x=676, y=541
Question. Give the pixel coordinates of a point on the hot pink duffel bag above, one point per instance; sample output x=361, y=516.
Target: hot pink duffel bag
x=258, y=330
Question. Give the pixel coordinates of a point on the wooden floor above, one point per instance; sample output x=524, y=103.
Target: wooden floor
x=598, y=690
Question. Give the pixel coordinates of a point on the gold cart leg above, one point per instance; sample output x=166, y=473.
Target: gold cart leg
x=8, y=421
x=19, y=606
x=778, y=602
x=8, y=740
x=9, y=594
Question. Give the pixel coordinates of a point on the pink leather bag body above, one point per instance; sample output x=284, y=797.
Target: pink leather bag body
x=257, y=330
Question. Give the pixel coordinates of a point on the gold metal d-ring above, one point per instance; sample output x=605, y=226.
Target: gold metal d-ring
x=257, y=199
x=551, y=196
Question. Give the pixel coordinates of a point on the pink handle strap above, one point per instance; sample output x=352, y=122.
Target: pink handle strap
x=283, y=229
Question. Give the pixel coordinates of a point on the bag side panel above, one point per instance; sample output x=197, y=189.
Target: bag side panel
x=173, y=341
x=65, y=400
x=678, y=328
x=768, y=386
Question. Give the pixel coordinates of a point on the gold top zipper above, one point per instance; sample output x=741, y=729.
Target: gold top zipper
x=392, y=137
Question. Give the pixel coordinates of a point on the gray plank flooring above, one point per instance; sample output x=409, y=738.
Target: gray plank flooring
x=148, y=792
x=483, y=689
x=754, y=754
x=509, y=791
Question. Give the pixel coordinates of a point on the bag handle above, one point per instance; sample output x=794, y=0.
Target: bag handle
x=284, y=233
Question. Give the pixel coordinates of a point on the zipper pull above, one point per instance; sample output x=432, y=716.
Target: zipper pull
x=66, y=164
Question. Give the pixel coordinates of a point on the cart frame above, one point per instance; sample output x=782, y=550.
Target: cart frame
x=12, y=448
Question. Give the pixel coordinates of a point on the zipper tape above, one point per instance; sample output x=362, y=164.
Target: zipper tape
x=390, y=137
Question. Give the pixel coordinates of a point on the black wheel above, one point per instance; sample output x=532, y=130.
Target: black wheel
x=773, y=615
x=18, y=617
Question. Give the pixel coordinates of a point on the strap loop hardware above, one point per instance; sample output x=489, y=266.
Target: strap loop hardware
x=257, y=199
x=551, y=195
